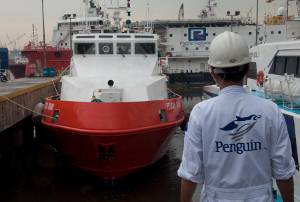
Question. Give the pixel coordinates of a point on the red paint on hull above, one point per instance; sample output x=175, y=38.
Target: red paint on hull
x=56, y=58
x=111, y=140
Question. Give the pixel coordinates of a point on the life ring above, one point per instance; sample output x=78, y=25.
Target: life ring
x=168, y=54
x=260, y=78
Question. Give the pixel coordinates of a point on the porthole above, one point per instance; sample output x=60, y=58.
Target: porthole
x=171, y=35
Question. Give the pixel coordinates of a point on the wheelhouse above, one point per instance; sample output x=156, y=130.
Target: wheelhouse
x=115, y=44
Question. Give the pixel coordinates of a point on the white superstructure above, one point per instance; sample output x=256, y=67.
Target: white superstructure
x=186, y=41
x=114, y=67
x=279, y=65
x=95, y=20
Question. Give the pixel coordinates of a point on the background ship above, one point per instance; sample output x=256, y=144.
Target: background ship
x=58, y=52
x=185, y=42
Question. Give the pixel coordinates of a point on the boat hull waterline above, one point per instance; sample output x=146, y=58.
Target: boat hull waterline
x=111, y=140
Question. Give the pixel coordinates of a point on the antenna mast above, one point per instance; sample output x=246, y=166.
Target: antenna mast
x=117, y=12
x=211, y=5
x=148, y=27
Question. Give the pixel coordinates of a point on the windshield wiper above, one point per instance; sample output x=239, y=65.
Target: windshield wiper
x=121, y=52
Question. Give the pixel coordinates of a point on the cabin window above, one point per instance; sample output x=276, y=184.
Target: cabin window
x=124, y=48
x=144, y=37
x=291, y=65
x=105, y=36
x=145, y=48
x=124, y=36
x=106, y=48
x=298, y=69
x=279, y=66
x=85, y=48
x=284, y=64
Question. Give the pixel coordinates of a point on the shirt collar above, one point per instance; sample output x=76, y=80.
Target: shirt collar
x=232, y=89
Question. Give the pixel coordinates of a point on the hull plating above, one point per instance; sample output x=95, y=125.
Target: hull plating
x=111, y=140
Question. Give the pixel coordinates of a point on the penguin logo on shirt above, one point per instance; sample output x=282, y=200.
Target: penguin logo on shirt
x=239, y=127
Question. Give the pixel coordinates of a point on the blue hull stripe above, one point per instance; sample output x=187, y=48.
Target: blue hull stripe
x=291, y=130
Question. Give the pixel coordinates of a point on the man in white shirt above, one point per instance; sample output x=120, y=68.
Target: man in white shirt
x=236, y=143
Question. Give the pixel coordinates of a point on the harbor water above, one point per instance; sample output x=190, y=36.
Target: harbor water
x=47, y=177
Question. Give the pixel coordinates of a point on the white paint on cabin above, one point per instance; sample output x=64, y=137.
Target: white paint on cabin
x=137, y=75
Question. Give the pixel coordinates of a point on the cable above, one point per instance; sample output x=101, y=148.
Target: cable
x=24, y=107
x=28, y=109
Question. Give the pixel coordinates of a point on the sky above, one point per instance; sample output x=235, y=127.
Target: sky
x=17, y=16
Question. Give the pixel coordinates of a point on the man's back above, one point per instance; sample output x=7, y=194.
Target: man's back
x=241, y=143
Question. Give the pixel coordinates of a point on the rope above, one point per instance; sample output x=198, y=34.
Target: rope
x=56, y=91
x=30, y=110
x=24, y=107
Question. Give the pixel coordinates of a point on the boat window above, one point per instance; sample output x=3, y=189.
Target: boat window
x=105, y=36
x=298, y=69
x=85, y=37
x=106, y=48
x=291, y=65
x=278, y=66
x=123, y=36
x=145, y=48
x=124, y=48
x=144, y=37
x=85, y=49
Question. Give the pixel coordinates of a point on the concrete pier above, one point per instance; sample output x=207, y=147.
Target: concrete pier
x=18, y=98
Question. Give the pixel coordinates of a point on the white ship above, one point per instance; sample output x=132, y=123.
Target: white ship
x=185, y=42
x=96, y=19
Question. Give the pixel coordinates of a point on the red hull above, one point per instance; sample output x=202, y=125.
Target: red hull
x=111, y=140
x=56, y=58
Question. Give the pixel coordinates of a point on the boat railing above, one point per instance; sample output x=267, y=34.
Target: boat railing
x=272, y=94
x=288, y=99
x=66, y=71
x=172, y=94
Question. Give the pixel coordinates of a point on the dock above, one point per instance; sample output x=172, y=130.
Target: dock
x=19, y=97
x=17, y=101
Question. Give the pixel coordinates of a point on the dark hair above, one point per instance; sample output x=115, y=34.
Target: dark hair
x=234, y=73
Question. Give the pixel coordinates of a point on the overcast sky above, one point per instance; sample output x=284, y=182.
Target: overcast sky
x=17, y=16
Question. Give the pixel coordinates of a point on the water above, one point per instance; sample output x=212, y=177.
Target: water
x=65, y=183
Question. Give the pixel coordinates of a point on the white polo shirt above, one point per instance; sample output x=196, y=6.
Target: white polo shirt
x=235, y=144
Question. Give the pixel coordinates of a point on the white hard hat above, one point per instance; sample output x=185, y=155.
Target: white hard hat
x=228, y=50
